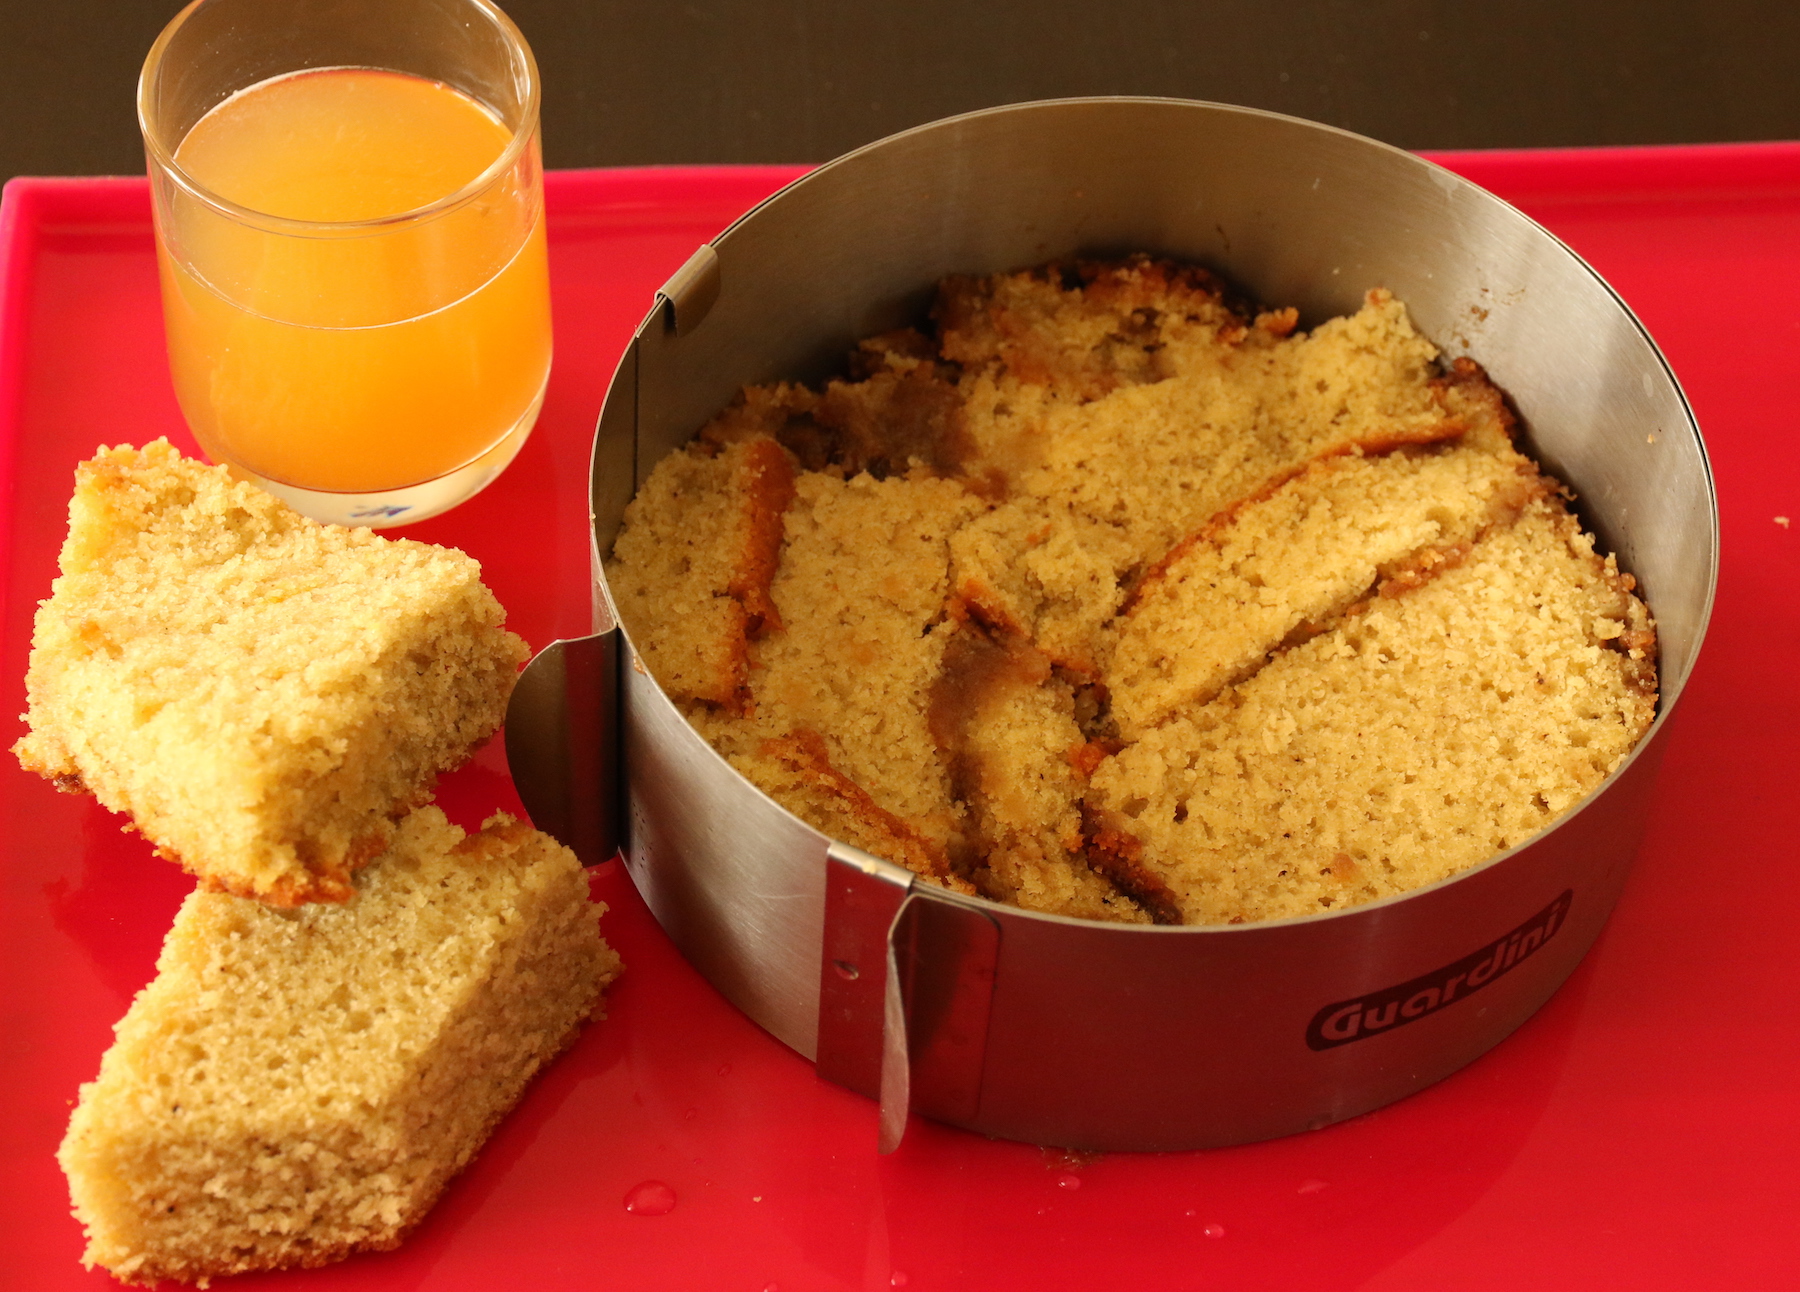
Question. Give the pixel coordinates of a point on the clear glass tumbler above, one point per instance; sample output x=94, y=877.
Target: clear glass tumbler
x=350, y=229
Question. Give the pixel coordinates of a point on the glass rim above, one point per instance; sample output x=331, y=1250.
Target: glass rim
x=162, y=155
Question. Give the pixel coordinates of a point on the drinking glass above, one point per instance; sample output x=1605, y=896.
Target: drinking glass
x=355, y=294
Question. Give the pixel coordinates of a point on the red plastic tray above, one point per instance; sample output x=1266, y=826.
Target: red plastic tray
x=1642, y=1131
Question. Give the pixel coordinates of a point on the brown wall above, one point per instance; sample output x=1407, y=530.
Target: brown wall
x=802, y=80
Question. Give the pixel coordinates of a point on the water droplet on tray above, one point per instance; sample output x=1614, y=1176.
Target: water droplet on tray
x=1068, y=1180
x=651, y=1198
x=1313, y=1186
x=1214, y=1231
x=897, y=1279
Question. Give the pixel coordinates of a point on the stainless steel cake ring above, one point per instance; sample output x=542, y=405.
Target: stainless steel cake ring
x=1059, y=1031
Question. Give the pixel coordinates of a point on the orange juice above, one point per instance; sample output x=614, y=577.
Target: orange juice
x=349, y=329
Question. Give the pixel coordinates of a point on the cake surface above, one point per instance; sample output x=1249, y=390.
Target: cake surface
x=296, y=1086
x=1113, y=599
x=264, y=695
x=1426, y=733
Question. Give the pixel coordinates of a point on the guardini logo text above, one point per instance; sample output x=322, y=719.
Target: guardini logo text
x=1381, y=1011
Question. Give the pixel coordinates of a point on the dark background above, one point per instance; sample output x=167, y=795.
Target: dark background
x=803, y=80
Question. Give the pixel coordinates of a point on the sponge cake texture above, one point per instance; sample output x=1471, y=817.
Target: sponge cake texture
x=295, y=1086
x=262, y=694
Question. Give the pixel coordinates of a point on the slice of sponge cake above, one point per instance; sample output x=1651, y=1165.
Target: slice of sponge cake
x=262, y=693
x=296, y=1086
x=1432, y=727
x=1283, y=566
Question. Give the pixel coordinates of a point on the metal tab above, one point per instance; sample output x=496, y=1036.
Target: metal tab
x=941, y=962
x=562, y=744
x=690, y=293
x=896, y=1040
x=863, y=896
x=905, y=990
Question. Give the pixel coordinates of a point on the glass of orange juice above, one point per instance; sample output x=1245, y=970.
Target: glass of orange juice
x=350, y=230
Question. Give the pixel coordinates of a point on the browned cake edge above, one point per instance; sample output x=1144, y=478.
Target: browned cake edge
x=803, y=752
x=770, y=488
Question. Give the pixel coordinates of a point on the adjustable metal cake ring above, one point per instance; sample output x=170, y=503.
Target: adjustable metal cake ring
x=1061, y=1031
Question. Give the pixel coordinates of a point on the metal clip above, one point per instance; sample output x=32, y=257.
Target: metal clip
x=562, y=744
x=691, y=292
x=905, y=993
x=863, y=896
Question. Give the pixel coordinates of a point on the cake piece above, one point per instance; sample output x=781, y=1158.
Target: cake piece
x=1431, y=729
x=263, y=694
x=905, y=413
x=796, y=771
x=294, y=1087
x=1282, y=568
x=1017, y=757
x=1085, y=329
x=1034, y=571
x=1159, y=459
x=861, y=591
x=694, y=562
x=1101, y=488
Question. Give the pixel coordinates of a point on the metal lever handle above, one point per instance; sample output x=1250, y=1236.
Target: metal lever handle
x=905, y=991
x=563, y=744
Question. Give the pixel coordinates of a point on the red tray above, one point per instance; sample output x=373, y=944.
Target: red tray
x=1642, y=1131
